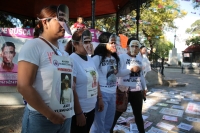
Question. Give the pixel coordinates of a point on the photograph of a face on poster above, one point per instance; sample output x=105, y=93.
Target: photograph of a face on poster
x=111, y=77
x=7, y=55
x=66, y=91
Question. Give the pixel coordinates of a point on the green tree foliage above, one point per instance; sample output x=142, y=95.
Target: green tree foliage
x=162, y=47
x=193, y=41
x=195, y=28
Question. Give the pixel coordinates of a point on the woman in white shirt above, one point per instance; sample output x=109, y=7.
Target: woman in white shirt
x=84, y=73
x=39, y=80
x=106, y=61
x=134, y=82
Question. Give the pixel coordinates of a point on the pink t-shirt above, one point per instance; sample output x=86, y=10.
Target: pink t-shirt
x=13, y=70
x=79, y=25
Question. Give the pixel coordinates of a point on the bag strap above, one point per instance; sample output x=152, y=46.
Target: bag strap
x=49, y=45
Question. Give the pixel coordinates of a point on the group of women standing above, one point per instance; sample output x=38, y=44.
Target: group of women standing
x=44, y=65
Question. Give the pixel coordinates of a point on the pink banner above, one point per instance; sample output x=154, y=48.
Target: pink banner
x=17, y=32
x=95, y=35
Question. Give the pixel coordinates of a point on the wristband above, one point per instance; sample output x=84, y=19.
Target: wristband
x=79, y=113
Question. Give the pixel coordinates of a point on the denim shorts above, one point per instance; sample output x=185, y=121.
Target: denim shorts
x=34, y=122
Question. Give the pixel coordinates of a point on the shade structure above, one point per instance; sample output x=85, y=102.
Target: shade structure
x=192, y=49
x=30, y=8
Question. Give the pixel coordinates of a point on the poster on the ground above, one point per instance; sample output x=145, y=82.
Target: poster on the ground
x=185, y=126
x=165, y=125
x=156, y=130
x=177, y=107
x=169, y=118
x=193, y=108
x=193, y=119
x=174, y=112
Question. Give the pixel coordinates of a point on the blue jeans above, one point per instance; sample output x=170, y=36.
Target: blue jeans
x=103, y=120
x=34, y=122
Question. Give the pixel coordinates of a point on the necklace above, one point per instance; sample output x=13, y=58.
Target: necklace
x=49, y=42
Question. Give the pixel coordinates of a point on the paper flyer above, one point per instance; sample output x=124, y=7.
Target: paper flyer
x=179, y=96
x=121, y=119
x=193, y=108
x=187, y=99
x=174, y=112
x=147, y=124
x=156, y=130
x=162, y=104
x=185, y=126
x=172, y=102
x=154, y=107
x=169, y=118
x=177, y=107
x=165, y=125
x=122, y=128
x=133, y=127
x=193, y=119
x=175, y=100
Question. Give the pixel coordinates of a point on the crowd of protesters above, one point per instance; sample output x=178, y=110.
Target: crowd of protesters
x=73, y=88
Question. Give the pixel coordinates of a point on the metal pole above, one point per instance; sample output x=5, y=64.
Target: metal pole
x=138, y=18
x=93, y=14
x=174, y=38
x=117, y=23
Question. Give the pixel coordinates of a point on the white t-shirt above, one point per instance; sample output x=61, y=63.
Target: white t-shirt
x=37, y=52
x=107, y=78
x=86, y=81
x=135, y=81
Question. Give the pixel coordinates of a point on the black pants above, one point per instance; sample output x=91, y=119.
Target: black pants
x=83, y=129
x=136, y=101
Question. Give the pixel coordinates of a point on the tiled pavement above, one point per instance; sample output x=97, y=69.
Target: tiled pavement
x=161, y=94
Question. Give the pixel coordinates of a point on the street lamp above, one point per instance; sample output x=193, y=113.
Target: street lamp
x=174, y=38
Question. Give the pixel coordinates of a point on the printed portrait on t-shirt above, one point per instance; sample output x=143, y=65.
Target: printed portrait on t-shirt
x=111, y=75
x=66, y=91
x=94, y=76
x=92, y=79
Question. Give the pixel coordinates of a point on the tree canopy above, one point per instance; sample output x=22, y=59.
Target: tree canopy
x=195, y=28
x=195, y=31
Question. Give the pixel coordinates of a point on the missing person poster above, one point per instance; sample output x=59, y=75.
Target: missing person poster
x=11, y=41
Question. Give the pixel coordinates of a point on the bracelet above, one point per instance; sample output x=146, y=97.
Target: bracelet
x=79, y=113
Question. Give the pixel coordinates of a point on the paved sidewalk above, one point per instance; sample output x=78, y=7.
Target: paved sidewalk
x=162, y=94
x=11, y=116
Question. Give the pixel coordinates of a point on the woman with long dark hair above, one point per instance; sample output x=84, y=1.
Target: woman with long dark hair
x=107, y=62
x=133, y=82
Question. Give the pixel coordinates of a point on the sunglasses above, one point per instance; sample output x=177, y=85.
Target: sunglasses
x=132, y=46
x=9, y=52
x=58, y=19
x=112, y=42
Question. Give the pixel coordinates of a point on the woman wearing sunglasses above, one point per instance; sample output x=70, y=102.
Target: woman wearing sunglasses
x=106, y=61
x=85, y=75
x=133, y=82
x=42, y=62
